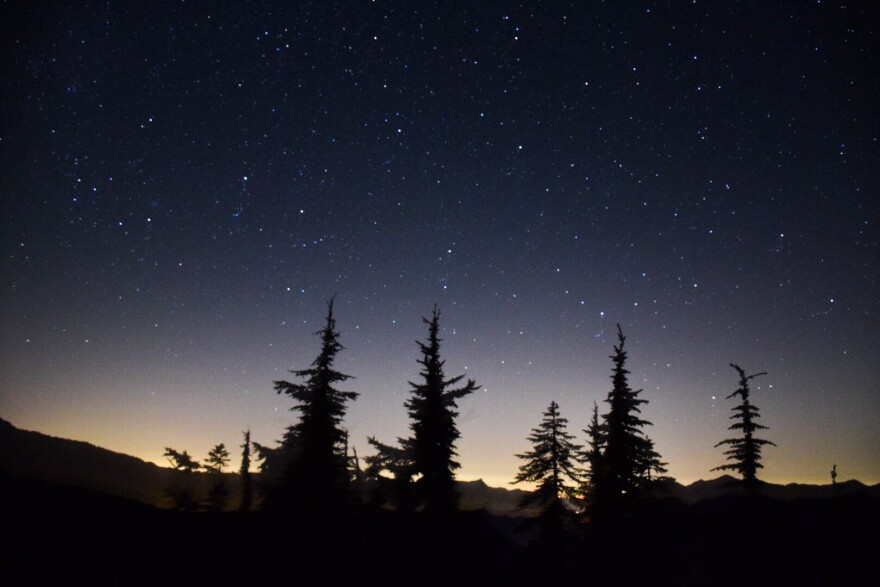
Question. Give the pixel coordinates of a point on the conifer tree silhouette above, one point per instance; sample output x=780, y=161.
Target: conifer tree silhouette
x=180, y=491
x=245, y=473
x=432, y=410
x=316, y=476
x=218, y=459
x=551, y=463
x=744, y=451
x=218, y=494
x=591, y=457
x=181, y=460
x=629, y=465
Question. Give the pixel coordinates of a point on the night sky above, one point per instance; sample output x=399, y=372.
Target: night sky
x=185, y=184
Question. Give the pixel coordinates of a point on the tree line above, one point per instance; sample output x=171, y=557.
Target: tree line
x=312, y=469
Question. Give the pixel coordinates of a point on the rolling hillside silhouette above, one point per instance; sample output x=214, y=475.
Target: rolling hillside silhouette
x=61, y=461
x=76, y=513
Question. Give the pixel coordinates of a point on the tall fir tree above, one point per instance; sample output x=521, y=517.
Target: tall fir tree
x=432, y=410
x=744, y=451
x=245, y=473
x=552, y=462
x=629, y=465
x=316, y=476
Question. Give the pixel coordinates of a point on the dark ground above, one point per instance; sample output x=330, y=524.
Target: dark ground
x=59, y=535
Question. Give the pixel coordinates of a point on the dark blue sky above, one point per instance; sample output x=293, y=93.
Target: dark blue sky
x=185, y=184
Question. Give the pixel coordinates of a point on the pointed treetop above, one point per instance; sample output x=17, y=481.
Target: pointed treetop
x=743, y=389
x=552, y=461
x=625, y=464
x=315, y=467
x=744, y=452
x=432, y=408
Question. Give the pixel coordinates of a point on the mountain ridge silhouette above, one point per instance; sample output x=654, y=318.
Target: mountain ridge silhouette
x=75, y=463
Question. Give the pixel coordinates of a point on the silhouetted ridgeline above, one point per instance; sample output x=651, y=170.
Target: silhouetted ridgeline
x=70, y=462
x=727, y=485
x=63, y=522
x=80, y=464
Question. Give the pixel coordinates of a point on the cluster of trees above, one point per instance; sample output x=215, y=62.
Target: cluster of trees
x=428, y=454
x=312, y=465
x=618, y=467
x=218, y=496
x=612, y=473
x=311, y=468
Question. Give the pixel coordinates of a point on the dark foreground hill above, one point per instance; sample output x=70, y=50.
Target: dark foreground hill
x=72, y=513
x=65, y=535
x=58, y=535
x=79, y=464
x=34, y=455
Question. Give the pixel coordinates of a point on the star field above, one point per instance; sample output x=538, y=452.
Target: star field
x=184, y=185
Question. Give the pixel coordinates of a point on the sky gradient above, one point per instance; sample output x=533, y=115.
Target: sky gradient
x=184, y=185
